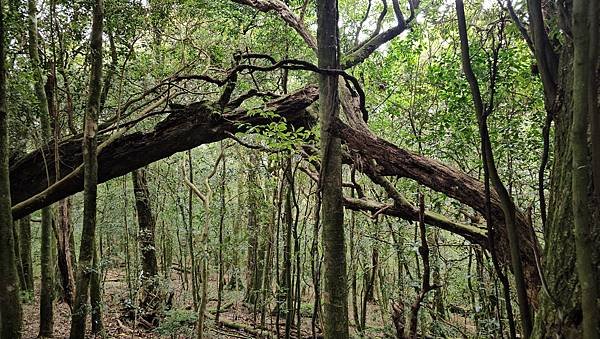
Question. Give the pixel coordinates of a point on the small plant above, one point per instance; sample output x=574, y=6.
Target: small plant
x=27, y=297
x=178, y=322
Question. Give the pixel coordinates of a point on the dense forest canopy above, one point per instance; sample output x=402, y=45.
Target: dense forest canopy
x=299, y=169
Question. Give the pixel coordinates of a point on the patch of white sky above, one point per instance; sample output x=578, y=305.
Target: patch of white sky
x=447, y=6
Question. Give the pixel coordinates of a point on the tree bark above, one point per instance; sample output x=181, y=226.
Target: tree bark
x=583, y=66
x=25, y=251
x=10, y=303
x=335, y=291
x=96, y=294
x=90, y=176
x=255, y=264
x=560, y=312
x=394, y=161
x=47, y=266
x=176, y=133
x=65, y=257
x=150, y=300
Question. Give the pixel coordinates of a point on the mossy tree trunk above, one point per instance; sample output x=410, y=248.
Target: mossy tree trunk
x=25, y=251
x=561, y=312
x=90, y=173
x=96, y=293
x=584, y=96
x=149, y=297
x=335, y=291
x=10, y=304
x=46, y=262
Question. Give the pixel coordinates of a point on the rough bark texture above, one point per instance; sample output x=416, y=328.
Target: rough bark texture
x=90, y=177
x=394, y=161
x=581, y=165
x=66, y=265
x=149, y=297
x=335, y=291
x=46, y=262
x=25, y=251
x=178, y=132
x=10, y=303
x=560, y=312
x=96, y=294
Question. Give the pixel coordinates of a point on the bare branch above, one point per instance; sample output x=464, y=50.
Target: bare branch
x=284, y=13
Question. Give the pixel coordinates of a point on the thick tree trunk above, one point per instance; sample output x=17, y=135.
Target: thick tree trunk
x=584, y=96
x=150, y=300
x=560, y=312
x=335, y=291
x=10, y=303
x=90, y=177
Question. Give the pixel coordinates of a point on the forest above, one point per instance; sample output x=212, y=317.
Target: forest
x=299, y=169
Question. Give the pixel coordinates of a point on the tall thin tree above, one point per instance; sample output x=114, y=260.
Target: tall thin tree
x=90, y=173
x=335, y=291
x=10, y=305
x=483, y=110
x=46, y=265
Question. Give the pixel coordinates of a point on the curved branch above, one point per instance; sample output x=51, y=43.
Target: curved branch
x=284, y=13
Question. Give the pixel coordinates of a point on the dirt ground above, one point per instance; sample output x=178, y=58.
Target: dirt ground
x=235, y=314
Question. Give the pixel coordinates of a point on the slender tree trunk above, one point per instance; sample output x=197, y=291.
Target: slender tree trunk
x=287, y=249
x=10, y=303
x=65, y=255
x=18, y=261
x=508, y=207
x=47, y=266
x=190, y=233
x=204, y=274
x=90, y=173
x=222, y=211
x=25, y=251
x=316, y=269
x=255, y=265
x=62, y=228
x=335, y=291
x=353, y=282
x=47, y=273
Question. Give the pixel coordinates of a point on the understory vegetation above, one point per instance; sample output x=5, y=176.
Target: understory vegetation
x=299, y=169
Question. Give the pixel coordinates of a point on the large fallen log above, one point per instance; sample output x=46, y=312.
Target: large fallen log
x=189, y=128
x=194, y=127
x=392, y=160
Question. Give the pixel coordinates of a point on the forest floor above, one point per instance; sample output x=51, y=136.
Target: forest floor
x=237, y=319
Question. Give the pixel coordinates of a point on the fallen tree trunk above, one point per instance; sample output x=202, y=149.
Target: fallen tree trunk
x=394, y=161
x=180, y=131
x=194, y=127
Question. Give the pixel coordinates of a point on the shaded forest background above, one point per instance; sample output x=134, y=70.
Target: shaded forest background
x=299, y=169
